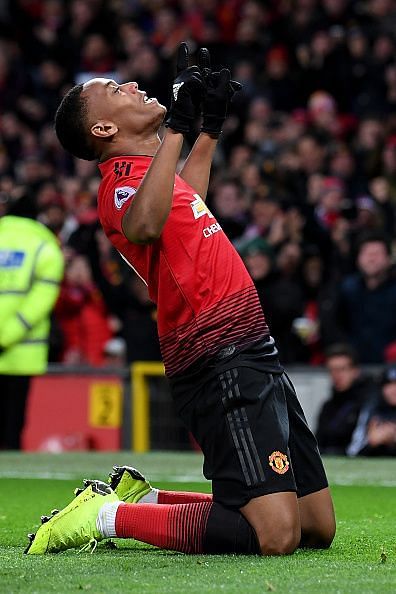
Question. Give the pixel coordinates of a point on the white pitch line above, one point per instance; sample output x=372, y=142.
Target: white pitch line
x=64, y=476
x=185, y=478
x=360, y=483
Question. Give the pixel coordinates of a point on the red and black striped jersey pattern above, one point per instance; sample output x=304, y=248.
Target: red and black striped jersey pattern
x=236, y=320
x=205, y=297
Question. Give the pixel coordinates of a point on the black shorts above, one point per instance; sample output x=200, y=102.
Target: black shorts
x=244, y=413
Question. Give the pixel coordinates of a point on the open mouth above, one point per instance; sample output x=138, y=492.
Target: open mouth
x=148, y=99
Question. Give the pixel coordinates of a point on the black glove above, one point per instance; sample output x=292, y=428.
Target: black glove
x=219, y=91
x=187, y=93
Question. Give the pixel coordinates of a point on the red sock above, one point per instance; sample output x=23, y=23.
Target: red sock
x=172, y=497
x=177, y=527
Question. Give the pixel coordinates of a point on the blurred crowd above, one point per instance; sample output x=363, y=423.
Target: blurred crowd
x=304, y=179
x=359, y=417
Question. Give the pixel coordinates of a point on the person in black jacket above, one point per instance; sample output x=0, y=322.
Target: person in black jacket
x=350, y=389
x=367, y=300
x=375, y=433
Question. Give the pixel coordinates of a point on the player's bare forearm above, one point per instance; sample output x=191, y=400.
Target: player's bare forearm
x=196, y=169
x=146, y=216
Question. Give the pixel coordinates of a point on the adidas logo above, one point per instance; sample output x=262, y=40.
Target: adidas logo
x=176, y=88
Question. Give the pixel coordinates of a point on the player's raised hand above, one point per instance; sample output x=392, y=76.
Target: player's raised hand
x=204, y=62
x=182, y=58
x=187, y=91
x=219, y=91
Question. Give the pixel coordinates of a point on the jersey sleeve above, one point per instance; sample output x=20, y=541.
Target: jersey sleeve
x=115, y=200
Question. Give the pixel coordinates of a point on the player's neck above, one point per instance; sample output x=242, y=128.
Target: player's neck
x=140, y=146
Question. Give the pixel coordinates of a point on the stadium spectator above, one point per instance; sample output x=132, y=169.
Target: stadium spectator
x=278, y=83
x=132, y=313
x=351, y=389
x=97, y=58
x=332, y=197
x=82, y=315
x=367, y=301
x=114, y=352
x=375, y=433
x=279, y=294
x=139, y=323
x=229, y=207
x=314, y=294
x=266, y=220
x=31, y=268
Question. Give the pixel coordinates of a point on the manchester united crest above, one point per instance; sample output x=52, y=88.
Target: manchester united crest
x=278, y=462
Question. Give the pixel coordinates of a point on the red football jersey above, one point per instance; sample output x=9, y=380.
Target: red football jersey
x=205, y=297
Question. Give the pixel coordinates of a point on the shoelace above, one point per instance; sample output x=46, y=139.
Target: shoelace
x=90, y=546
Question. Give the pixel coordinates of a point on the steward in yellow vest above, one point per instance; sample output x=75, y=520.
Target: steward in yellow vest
x=31, y=269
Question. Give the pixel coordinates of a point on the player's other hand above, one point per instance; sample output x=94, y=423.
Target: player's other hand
x=219, y=91
x=187, y=92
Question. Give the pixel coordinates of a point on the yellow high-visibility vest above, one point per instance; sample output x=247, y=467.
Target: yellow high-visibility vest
x=31, y=269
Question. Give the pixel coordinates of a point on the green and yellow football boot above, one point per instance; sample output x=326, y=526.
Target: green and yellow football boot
x=129, y=485
x=75, y=525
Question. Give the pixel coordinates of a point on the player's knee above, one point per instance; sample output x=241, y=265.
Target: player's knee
x=325, y=536
x=320, y=538
x=281, y=545
x=281, y=542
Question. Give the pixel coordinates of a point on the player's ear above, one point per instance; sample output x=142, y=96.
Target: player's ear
x=104, y=129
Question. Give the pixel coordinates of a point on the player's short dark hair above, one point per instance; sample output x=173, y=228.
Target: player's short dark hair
x=71, y=125
x=342, y=350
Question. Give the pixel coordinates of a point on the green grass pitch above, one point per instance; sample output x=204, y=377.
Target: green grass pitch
x=362, y=559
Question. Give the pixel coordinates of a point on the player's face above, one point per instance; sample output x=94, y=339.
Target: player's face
x=342, y=372
x=125, y=105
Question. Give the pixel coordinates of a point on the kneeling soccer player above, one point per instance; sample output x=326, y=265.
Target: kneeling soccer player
x=270, y=493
